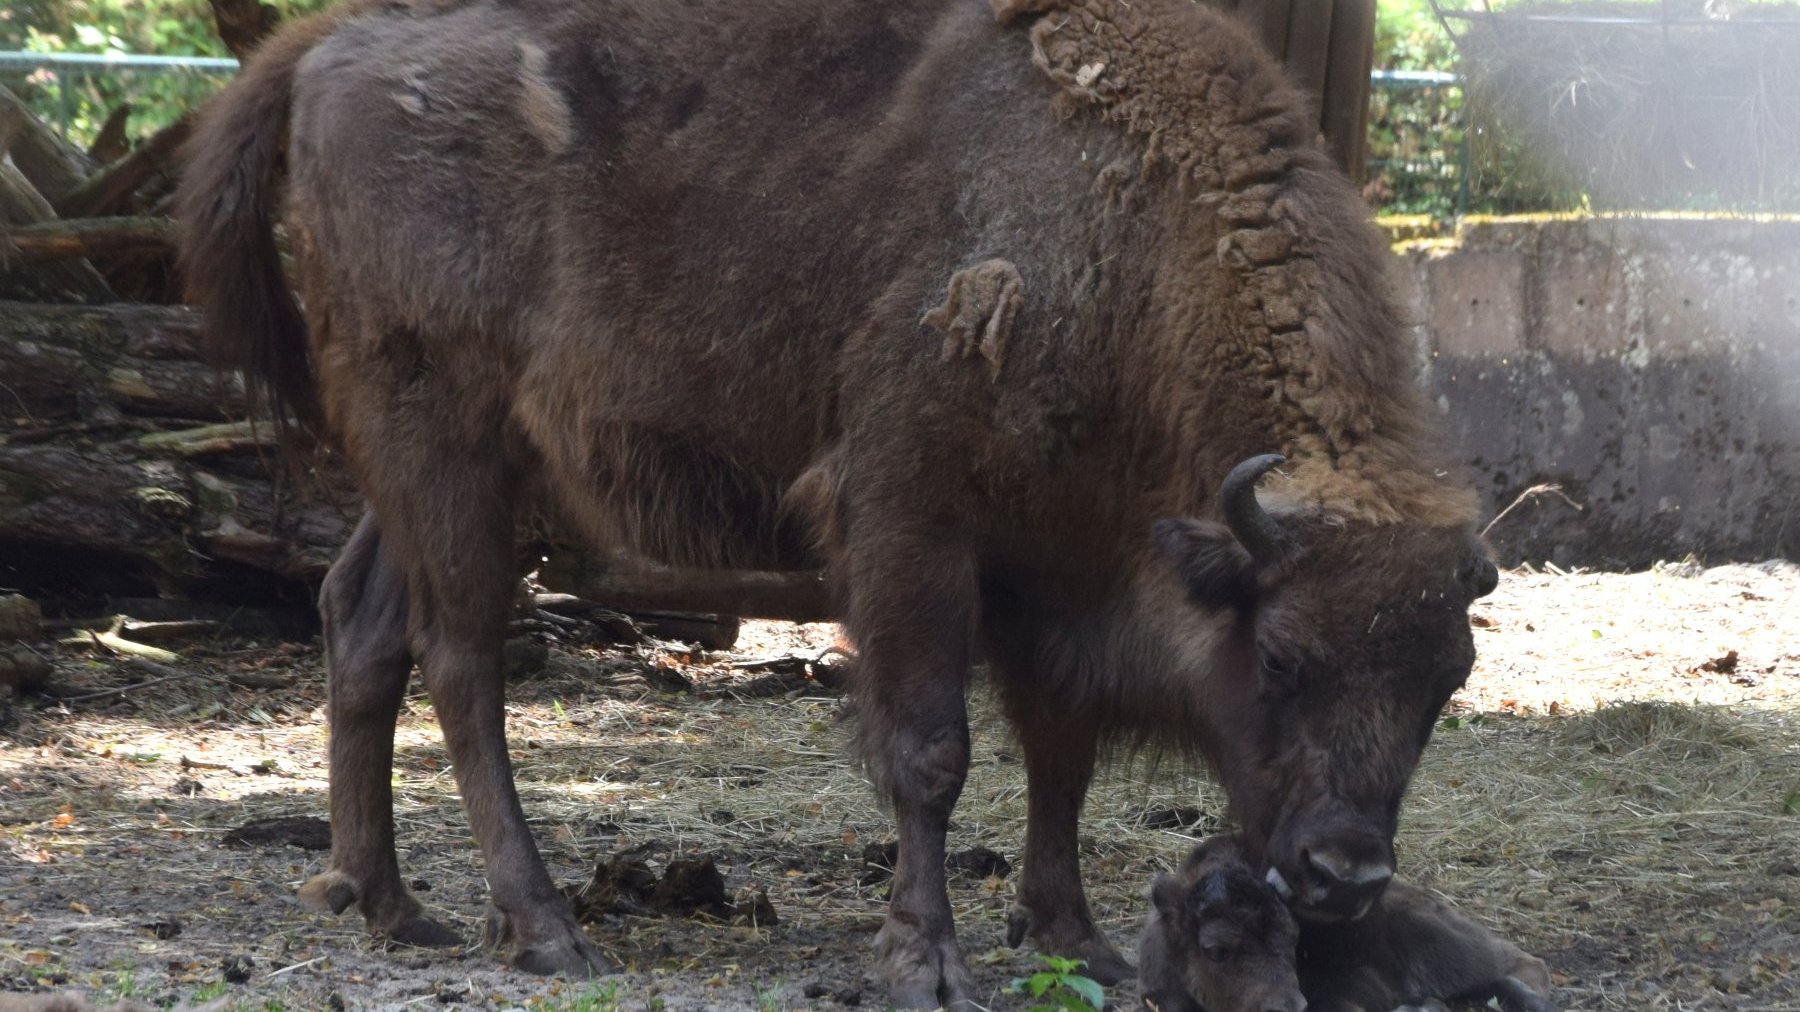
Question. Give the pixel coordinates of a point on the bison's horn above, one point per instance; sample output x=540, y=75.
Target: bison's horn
x=1254, y=528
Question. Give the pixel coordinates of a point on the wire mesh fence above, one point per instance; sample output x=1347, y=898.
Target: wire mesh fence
x=76, y=92
x=1418, y=144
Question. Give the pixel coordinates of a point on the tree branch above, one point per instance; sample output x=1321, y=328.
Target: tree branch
x=53, y=165
x=77, y=238
x=243, y=24
x=109, y=190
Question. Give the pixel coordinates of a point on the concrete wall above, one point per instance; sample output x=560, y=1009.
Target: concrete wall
x=1651, y=366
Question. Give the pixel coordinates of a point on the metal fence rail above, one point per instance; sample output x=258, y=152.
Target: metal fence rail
x=14, y=60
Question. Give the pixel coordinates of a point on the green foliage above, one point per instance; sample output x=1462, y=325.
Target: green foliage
x=1408, y=36
x=1059, y=988
x=1427, y=155
x=77, y=100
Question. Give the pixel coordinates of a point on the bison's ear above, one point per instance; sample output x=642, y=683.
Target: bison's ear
x=1211, y=563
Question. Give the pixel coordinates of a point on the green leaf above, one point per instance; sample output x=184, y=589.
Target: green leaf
x=1790, y=805
x=1088, y=988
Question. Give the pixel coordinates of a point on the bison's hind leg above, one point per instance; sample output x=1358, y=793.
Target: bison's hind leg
x=364, y=608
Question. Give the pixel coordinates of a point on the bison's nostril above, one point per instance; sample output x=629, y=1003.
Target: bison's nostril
x=1336, y=871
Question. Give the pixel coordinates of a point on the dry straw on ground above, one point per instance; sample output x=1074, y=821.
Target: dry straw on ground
x=1576, y=799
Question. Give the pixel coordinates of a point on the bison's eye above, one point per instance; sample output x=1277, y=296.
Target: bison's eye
x=1279, y=673
x=1218, y=953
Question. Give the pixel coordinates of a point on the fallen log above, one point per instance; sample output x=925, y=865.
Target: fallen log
x=146, y=522
x=98, y=364
x=87, y=238
x=637, y=585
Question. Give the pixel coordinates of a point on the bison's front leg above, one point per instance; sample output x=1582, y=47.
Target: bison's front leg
x=1050, y=905
x=911, y=612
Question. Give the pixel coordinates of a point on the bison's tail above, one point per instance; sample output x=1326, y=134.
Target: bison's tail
x=226, y=202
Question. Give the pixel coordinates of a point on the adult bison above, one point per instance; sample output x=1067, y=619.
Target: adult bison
x=984, y=314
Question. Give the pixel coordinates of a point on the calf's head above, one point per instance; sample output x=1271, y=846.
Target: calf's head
x=1347, y=639
x=1227, y=936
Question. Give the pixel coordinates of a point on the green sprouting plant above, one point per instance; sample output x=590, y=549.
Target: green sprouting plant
x=596, y=996
x=768, y=999
x=1059, y=988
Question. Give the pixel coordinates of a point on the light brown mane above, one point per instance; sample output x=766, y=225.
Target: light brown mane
x=1314, y=320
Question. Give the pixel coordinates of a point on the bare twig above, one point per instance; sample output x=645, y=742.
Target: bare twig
x=112, y=142
x=1531, y=493
x=297, y=966
x=165, y=675
x=111, y=640
x=109, y=190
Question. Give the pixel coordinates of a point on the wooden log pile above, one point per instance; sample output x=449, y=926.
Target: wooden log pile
x=130, y=468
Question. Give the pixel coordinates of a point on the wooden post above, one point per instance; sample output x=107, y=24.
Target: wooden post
x=1329, y=47
x=1344, y=113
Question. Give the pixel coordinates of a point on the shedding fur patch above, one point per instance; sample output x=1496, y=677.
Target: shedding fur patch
x=541, y=105
x=1312, y=317
x=978, y=315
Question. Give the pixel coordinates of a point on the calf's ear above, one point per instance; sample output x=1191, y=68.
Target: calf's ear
x=1479, y=575
x=1169, y=898
x=1210, y=562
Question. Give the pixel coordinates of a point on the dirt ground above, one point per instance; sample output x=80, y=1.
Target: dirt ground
x=1650, y=852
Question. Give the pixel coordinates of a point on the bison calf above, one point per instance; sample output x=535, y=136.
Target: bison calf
x=1220, y=939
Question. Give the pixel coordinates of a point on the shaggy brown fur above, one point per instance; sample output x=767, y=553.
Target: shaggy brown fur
x=1220, y=940
x=962, y=310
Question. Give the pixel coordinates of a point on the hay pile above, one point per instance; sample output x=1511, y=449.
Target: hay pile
x=1641, y=105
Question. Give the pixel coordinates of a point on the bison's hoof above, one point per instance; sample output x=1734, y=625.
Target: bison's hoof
x=1517, y=996
x=922, y=971
x=423, y=932
x=1073, y=938
x=560, y=946
x=329, y=890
